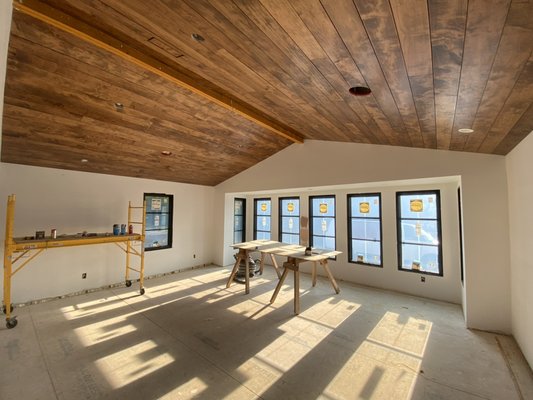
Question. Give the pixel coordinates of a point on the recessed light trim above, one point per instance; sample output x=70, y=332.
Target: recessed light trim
x=465, y=130
x=197, y=37
x=84, y=160
x=360, y=91
x=119, y=106
x=166, y=153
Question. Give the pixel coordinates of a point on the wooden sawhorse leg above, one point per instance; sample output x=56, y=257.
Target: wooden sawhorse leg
x=293, y=265
x=242, y=255
x=324, y=263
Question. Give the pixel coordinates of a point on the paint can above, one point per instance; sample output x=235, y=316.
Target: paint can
x=116, y=229
x=122, y=229
x=130, y=229
x=53, y=233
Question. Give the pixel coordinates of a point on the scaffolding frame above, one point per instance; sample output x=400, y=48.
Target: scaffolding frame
x=29, y=248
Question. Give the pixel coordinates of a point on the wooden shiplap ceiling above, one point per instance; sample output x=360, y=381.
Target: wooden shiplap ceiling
x=269, y=73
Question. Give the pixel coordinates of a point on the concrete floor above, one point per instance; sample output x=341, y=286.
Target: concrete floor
x=190, y=337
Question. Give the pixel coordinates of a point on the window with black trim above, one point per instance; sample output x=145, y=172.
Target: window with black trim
x=262, y=219
x=322, y=222
x=289, y=220
x=239, y=220
x=159, y=208
x=364, y=229
x=419, y=232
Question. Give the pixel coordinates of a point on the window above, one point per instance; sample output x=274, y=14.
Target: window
x=419, y=232
x=364, y=229
x=158, y=221
x=322, y=222
x=289, y=220
x=262, y=219
x=239, y=220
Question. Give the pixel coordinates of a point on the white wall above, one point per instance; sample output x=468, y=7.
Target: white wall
x=486, y=294
x=73, y=202
x=519, y=167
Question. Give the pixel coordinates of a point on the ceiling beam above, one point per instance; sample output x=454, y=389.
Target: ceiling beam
x=130, y=51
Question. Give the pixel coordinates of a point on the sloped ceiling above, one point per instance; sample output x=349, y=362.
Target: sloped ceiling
x=268, y=73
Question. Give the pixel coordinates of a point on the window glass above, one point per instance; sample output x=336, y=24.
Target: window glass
x=158, y=221
x=289, y=220
x=262, y=219
x=239, y=221
x=364, y=229
x=419, y=232
x=322, y=222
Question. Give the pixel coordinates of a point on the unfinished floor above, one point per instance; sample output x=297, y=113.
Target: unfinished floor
x=190, y=337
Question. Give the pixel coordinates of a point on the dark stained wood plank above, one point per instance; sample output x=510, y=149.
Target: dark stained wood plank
x=346, y=19
x=129, y=52
x=447, y=23
x=379, y=23
x=523, y=127
x=412, y=24
x=486, y=19
x=513, y=53
x=515, y=107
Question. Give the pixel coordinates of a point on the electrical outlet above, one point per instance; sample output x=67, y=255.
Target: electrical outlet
x=194, y=256
x=84, y=275
x=422, y=279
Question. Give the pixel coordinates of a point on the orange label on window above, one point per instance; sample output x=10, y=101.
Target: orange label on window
x=323, y=208
x=364, y=207
x=416, y=205
x=290, y=207
x=263, y=206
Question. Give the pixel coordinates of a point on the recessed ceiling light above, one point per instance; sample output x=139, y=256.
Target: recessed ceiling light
x=465, y=130
x=119, y=106
x=197, y=37
x=360, y=91
x=84, y=160
x=166, y=153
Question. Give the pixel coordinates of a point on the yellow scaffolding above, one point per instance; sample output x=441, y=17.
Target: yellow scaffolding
x=29, y=248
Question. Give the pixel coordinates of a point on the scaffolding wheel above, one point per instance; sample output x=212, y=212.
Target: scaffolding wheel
x=11, y=323
x=128, y=283
x=142, y=291
x=4, y=308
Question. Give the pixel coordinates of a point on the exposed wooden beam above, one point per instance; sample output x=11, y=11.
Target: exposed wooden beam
x=130, y=52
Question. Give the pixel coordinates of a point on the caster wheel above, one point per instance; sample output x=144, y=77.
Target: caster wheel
x=11, y=323
x=4, y=308
x=142, y=291
x=128, y=283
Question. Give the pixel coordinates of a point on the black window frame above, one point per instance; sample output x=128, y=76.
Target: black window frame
x=281, y=215
x=170, y=220
x=243, y=230
x=349, y=198
x=255, y=216
x=311, y=216
x=399, y=220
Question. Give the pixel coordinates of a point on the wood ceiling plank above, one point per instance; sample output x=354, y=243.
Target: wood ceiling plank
x=412, y=24
x=379, y=23
x=486, y=20
x=239, y=28
x=512, y=56
x=321, y=27
x=187, y=79
x=346, y=19
x=447, y=23
x=515, y=107
x=522, y=128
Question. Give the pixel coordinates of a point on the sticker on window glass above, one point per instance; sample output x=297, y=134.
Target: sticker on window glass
x=360, y=258
x=291, y=224
x=156, y=204
x=323, y=208
x=364, y=207
x=324, y=225
x=290, y=207
x=415, y=266
x=416, y=205
x=156, y=220
x=376, y=202
x=418, y=229
x=237, y=208
x=264, y=221
x=263, y=206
